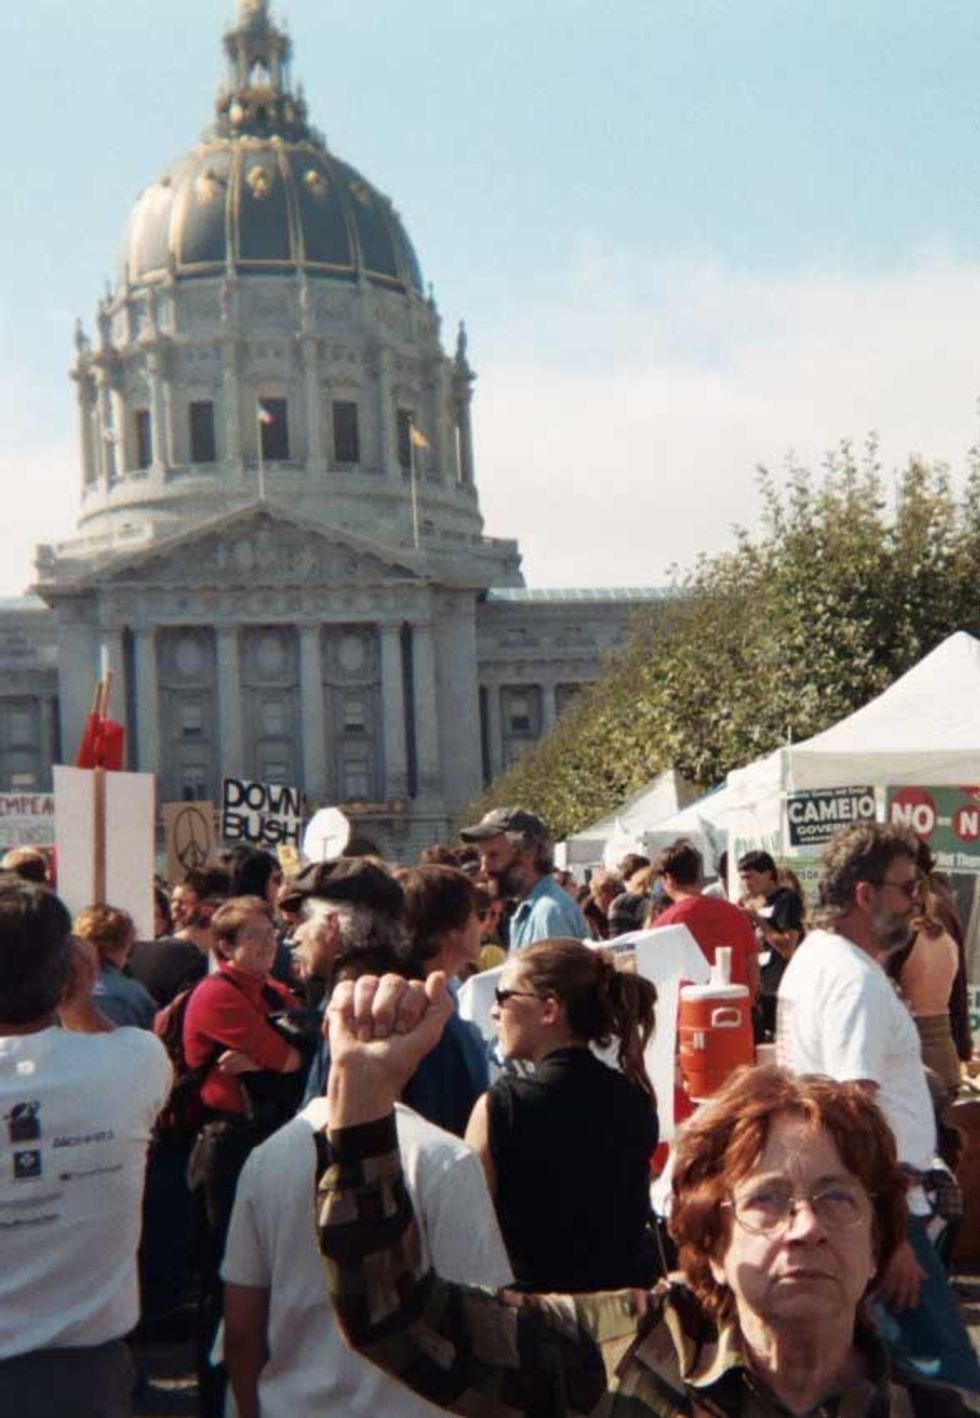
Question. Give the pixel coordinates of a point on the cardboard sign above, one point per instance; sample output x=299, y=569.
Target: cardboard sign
x=26, y=820
x=948, y=819
x=190, y=837
x=261, y=814
x=817, y=815
x=113, y=839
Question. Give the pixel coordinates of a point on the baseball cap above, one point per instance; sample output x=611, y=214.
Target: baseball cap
x=356, y=880
x=506, y=819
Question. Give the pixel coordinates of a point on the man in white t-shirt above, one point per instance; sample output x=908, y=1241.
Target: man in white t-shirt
x=838, y=1014
x=76, y=1106
x=284, y=1353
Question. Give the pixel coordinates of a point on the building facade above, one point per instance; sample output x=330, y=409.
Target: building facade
x=280, y=550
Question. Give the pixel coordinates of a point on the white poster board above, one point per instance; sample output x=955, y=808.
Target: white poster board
x=129, y=841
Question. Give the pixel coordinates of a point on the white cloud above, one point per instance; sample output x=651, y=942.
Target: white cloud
x=620, y=416
x=620, y=427
x=40, y=505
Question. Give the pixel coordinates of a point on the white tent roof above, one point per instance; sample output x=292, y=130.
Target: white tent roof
x=925, y=728
x=659, y=798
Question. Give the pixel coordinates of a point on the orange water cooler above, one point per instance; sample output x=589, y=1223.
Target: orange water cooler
x=714, y=1029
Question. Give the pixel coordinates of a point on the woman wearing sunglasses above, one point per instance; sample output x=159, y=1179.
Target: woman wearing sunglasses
x=567, y=1149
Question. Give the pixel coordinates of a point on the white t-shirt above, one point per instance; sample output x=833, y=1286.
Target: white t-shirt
x=272, y=1244
x=838, y=1014
x=75, y=1118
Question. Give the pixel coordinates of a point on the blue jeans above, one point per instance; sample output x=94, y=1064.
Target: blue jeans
x=931, y=1337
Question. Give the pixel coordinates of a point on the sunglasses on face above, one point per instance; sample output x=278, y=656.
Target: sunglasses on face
x=910, y=889
x=502, y=996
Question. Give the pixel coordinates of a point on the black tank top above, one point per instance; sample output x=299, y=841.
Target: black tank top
x=572, y=1148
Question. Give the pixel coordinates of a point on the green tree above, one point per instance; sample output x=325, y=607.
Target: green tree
x=838, y=592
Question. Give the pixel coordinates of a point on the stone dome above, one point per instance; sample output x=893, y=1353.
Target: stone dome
x=262, y=194
x=266, y=205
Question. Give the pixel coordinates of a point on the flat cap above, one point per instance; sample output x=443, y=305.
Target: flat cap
x=507, y=819
x=356, y=880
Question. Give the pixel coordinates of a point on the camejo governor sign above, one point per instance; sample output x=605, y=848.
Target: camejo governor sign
x=814, y=817
x=948, y=819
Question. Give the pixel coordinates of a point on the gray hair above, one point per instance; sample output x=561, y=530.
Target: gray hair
x=361, y=927
x=541, y=849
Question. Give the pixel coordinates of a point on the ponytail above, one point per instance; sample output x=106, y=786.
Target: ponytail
x=600, y=1001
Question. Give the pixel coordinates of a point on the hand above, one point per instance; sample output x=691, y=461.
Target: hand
x=900, y=1285
x=379, y=1031
x=234, y=1061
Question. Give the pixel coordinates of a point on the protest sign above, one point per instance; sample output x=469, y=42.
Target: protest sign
x=947, y=819
x=261, y=814
x=26, y=820
x=104, y=839
x=189, y=834
x=815, y=816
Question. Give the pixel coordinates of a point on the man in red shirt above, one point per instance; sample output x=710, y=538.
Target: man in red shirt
x=711, y=921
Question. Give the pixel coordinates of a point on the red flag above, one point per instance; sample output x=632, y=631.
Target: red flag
x=104, y=740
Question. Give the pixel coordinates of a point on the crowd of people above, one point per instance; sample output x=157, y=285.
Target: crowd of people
x=274, y=1110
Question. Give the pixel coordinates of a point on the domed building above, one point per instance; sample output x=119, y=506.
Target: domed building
x=280, y=549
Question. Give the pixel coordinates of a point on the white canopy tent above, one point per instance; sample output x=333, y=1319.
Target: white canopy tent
x=606, y=841
x=925, y=728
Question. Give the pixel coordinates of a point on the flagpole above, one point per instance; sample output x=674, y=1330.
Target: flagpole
x=258, y=433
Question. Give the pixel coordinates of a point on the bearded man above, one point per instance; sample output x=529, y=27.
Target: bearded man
x=838, y=1014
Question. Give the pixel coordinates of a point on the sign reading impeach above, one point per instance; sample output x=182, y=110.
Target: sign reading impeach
x=815, y=816
x=261, y=814
x=26, y=820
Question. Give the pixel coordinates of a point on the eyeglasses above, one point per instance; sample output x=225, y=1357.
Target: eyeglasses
x=502, y=996
x=909, y=888
x=768, y=1208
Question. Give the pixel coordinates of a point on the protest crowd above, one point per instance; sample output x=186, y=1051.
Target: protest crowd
x=390, y=1135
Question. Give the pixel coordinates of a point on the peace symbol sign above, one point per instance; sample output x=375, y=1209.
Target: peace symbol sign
x=192, y=838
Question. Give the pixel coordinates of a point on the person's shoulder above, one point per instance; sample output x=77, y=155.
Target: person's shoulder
x=416, y=1135
x=128, y=1052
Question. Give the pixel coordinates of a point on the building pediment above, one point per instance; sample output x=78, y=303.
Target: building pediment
x=257, y=547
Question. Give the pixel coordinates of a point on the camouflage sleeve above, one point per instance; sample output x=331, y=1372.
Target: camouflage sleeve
x=464, y=1349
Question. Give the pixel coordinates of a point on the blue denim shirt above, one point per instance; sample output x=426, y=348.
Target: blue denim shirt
x=547, y=911
x=123, y=1000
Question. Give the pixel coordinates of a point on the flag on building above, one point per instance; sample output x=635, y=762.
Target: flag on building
x=419, y=440
x=263, y=415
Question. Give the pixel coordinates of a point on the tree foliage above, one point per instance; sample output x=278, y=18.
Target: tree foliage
x=838, y=592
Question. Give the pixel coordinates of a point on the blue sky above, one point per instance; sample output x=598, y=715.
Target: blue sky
x=687, y=236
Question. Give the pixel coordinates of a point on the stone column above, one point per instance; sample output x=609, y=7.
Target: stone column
x=386, y=420
x=147, y=702
x=232, y=406
x=393, y=713
x=154, y=365
x=495, y=735
x=441, y=423
x=465, y=443
x=311, y=709
x=229, y=702
x=425, y=708
x=549, y=706
x=108, y=453
x=86, y=407
x=316, y=453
